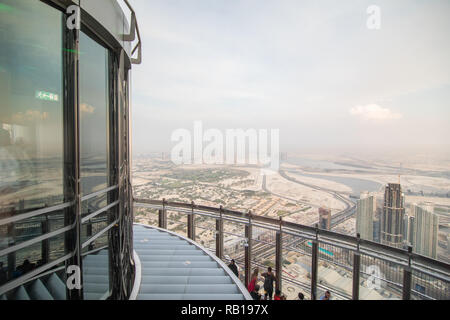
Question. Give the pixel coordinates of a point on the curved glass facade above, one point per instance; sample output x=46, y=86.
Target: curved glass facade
x=31, y=107
x=59, y=155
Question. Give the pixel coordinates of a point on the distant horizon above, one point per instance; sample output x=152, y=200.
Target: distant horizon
x=312, y=69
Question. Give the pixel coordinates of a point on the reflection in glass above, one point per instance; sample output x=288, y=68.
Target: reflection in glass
x=94, y=115
x=28, y=259
x=25, y=230
x=94, y=145
x=31, y=127
x=94, y=204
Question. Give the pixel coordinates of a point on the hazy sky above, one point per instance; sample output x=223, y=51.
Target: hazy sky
x=309, y=68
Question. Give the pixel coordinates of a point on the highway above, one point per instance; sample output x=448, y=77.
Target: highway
x=337, y=218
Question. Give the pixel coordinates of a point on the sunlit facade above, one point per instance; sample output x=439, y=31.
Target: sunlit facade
x=392, y=218
x=365, y=210
x=426, y=228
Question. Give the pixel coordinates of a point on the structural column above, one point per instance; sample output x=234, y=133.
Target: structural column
x=191, y=223
x=219, y=235
x=45, y=250
x=248, y=250
x=356, y=271
x=12, y=255
x=72, y=177
x=279, y=260
x=162, y=216
x=407, y=276
x=314, y=265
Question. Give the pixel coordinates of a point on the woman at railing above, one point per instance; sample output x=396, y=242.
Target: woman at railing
x=253, y=279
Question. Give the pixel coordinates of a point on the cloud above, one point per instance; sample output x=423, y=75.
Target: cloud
x=374, y=112
x=86, y=108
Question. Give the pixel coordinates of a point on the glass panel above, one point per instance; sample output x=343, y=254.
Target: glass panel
x=94, y=204
x=96, y=270
x=25, y=230
x=19, y=263
x=146, y=216
x=379, y=280
x=296, y=267
x=177, y=222
x=94, y=142
x=94, y=145
x=335, y=272
x=31, y=106
x=205, y=232
x=263, y=255
x=426, y=287
x=234, y=245
x=94, y=226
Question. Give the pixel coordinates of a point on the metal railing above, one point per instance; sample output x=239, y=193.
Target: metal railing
x=134, y=29
x=347, y=266
x=32, y=233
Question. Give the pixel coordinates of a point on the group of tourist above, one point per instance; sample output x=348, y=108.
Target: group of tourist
x=269, y=279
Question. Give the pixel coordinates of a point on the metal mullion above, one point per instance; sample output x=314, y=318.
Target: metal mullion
x=72, y=184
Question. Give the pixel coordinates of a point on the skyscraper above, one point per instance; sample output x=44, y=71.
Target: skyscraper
x=411, y=226
x=392, y=218
x=324, y=218
x=377, y=220
x=426, y=228
x=366, y=207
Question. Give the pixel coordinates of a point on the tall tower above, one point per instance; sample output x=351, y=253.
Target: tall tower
x=324, y=218
x=392, y=218
x=426, y=228
x=366, y=207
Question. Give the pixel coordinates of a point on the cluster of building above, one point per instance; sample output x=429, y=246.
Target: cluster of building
x=389, y=224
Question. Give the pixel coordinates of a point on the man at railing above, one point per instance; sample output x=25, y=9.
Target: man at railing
x=269, y=279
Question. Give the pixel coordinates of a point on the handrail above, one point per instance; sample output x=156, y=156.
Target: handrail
x=366, y=246
x=134, y=28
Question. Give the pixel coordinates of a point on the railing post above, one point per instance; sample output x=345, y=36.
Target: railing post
x=248, y=249
x=12, y=255
x=279, y=257
x=191, y=223
x=219, y=235
x=89, y=233
x=45, y=250
x=162, y=217
x=407, y=275
x=314, y=264
x=356, y=270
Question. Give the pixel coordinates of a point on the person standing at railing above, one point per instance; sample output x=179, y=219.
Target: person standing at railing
x=269, y=279
x=253, y=279
x=255, y=293
x=233, y=267
x=277, y=295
